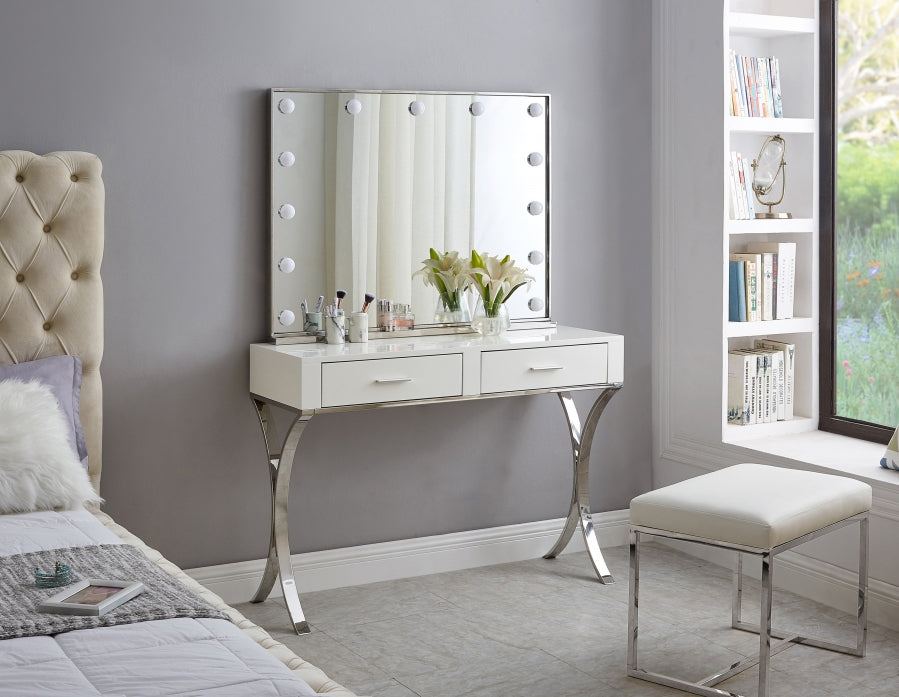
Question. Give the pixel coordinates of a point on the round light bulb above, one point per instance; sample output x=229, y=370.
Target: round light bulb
x=535, y=109
x=287, y=265
x=535, y=208
x=477, y=108
x=416, y=108
x=286, y=317
x=286, y=211
x=354, y=106
x=535, y=257
x=535, y=304
x=535, y=159
x=286, y=159
x=286, y=106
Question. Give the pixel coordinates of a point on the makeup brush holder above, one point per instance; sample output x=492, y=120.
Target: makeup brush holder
x=335, y=329
x=312, y=322
x=358, y=331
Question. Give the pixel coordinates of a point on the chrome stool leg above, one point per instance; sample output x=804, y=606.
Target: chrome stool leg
x=767, y=648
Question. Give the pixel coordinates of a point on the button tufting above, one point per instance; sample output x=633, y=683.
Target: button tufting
x=74, y=275
x=74, y=177
x=47, y=228
x=20, y=278
x=47, y=326
x=20, y=178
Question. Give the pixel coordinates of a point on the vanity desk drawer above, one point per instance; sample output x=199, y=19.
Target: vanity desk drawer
x=544, y=368
x=391, y=380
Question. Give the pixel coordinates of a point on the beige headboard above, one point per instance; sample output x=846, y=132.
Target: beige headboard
x=51, y=246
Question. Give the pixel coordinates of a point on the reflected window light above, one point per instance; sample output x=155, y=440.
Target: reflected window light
x=286, y=159
x=477, y=108
x=287, y=265
x=286, y=317
x=416, y=108
x=535, y=208
x=286, y=211
x=535, y=159
x=286, y=106
x=535, y=109
x=535, y=257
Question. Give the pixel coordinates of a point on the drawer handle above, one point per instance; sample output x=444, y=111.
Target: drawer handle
x=541, y=368
x=382, y=381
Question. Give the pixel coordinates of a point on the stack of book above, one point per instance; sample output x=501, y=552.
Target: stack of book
x=755, y=86
x=762, y=282
x=760, y=383
x=742, y=197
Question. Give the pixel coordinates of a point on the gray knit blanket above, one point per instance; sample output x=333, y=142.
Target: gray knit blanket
x=164, y=598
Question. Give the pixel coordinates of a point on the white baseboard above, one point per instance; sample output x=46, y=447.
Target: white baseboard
x=352, y=566
x=814, y=579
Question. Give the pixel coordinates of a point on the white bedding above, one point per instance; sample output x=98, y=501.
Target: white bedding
x=171, y=657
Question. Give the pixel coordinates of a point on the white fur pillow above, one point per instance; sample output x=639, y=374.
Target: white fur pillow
x=38, y=469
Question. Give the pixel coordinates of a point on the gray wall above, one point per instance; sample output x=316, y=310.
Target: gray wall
x=172, y=96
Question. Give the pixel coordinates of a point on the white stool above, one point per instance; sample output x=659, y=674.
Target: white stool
x=751, y=509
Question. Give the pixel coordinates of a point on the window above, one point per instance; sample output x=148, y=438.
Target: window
x=859, y=218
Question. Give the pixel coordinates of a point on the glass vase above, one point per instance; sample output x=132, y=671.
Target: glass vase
x=454, y=312
x=488, y=324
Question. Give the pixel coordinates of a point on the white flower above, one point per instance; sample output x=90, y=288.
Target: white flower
x=449, y=274
x=496, y=279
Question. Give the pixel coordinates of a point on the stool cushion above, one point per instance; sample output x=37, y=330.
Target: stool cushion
x=752, y=505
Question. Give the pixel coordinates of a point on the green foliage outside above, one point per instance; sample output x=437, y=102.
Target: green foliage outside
x=867, y=282
x=867, y=229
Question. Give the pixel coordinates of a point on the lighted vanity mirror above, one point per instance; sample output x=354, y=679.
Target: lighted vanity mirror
x=365, y=183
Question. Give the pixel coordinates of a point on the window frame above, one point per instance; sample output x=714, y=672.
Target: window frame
x=827, y=417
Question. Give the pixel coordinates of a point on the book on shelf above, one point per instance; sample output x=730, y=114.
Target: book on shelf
x=741, y=377
x=767, y=278
x=737, y=292
x=785, y=275
x=788, y=351
x=756, y=379
x=752, y=269
x=742, y=195
x=755, y=86
x=739, y=393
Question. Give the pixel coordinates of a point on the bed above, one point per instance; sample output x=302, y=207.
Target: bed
x=51, y=345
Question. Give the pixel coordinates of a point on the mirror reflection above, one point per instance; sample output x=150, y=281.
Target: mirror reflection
x=365, y=184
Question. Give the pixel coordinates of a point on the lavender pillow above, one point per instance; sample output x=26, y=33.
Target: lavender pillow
x=62, y=374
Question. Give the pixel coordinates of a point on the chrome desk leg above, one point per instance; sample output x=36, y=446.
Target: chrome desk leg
x=579, y=512
x=278, y=562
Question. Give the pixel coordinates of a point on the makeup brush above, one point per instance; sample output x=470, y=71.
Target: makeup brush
x=368, y=298
x=341, y=294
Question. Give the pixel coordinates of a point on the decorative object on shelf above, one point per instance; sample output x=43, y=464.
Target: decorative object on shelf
x=766, y=168
x=61, y=576
x=890, y=459
x=449, y=274
x=495, y=280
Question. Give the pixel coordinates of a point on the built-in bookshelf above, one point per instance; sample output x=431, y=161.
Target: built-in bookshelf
x=777, y=44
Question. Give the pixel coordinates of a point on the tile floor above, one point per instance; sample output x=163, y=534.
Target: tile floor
x=548, y=628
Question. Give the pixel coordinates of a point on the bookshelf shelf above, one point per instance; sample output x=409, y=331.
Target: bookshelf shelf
x=798, y=424
x=765, y=26
x=797, y=325
x=763, y=226
x=767, y=124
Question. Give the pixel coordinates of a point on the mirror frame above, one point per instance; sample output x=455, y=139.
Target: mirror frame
x=280, y=334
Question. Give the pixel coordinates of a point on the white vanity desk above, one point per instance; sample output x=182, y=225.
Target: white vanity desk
x=314, y=378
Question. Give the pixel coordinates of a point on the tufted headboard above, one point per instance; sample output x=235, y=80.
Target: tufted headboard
x=51, y=246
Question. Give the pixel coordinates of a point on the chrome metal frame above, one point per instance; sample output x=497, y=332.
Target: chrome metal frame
x=763, y=629
x=579, y=510
x=281, y=456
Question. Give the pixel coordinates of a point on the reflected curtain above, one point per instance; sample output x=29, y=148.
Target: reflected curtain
x=397, y=186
